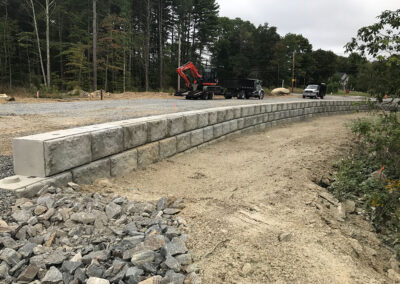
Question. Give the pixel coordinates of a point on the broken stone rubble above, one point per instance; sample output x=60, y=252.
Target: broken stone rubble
x=67, y=236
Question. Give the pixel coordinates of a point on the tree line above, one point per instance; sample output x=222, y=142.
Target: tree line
x=121, y=45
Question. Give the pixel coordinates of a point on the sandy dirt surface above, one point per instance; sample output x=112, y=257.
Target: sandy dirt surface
x=94, y=97
x=242, y=194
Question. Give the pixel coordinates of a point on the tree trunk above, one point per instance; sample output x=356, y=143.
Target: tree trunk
x=48, y=42
x=106, y=75
x=94, y=46
x=147, y=52
x=38, y=42
x=179, y=57
x=160, y=35
x=60, y=47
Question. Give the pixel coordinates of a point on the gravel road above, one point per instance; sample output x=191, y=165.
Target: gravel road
x=121, y=109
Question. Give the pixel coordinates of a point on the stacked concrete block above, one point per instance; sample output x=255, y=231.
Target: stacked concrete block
x=175, y=124
x=124, y=163
x=196, y=137
x=157, y=129
x=88, y=173
x=148, y=154
x=107, y=142
x=191, y=121
x=202, y=119
x=168, y=147
x=135, y=134
x=183, y=142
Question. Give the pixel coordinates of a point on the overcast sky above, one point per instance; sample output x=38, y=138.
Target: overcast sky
x=328, y=24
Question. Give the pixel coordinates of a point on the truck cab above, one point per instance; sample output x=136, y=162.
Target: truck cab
x=315, y=91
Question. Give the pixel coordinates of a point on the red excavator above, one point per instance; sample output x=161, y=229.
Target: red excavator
x=203, y=87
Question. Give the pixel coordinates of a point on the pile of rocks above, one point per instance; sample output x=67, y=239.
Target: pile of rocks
x=68, y=236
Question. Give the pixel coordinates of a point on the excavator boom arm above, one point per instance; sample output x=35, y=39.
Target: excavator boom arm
x=195, y=73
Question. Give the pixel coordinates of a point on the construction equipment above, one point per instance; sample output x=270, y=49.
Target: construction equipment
x=203, y=87
x=206, y=86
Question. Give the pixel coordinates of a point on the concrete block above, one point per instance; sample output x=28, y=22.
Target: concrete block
x=268, y=108
x=263, y=108
x=202, y=119
x=67, y=153
x=196, y=137
x=157, y=129
x=28, y=157
x=183, y=142
x=226, y=127
x=212, y=117
x=273, y=107
x=18, y=181
x=208, y=133
x=124, y=163
x=31, y=190
x=191, y=121
x=148, y=154
x=233, y=125
x=167, y=147
x=59, y=180
x=257, y=109
x=107, y=142
x=175, y=124
x=217, y=130
x=135, y=134
x=88, y=173
x=229, y=115
x=237, y=112
x=259, y=118
x=248, y=110
x=240, y=123
x=221, y=114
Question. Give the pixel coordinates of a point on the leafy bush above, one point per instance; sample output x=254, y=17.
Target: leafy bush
x=371, y=173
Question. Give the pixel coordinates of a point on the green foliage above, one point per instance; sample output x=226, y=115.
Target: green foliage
x=333, y=84
x=382, y=41
x=371, y=174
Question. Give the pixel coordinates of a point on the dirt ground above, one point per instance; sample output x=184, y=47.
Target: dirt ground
x=107, y=96
x=242, y=194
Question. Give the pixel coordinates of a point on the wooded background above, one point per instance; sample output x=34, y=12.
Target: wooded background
x=135, y=45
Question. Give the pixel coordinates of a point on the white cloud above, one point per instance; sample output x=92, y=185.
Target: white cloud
x=328, y=24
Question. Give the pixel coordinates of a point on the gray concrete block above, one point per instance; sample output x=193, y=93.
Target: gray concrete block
x=59, y=180
x=208, y=133
x=148, y=154
x=175, y=124
x=240, y=123
x=226, y=127
x=168, y=147
x=107, y=142
x=67, y=153
x=135, y=134
x=268, y=108
x=257, y=109
x=30, y=191
x=124, y=163
x=233, y=125
x=202, y=119
x=212, y=117
x=221, y=114
x=196, y=137
x=229, y=114
x=217, y=130
x=191, y=121
x=28, y=157
x=89, y=173
x=183, y=142
x=157, y=129
x=237, y=112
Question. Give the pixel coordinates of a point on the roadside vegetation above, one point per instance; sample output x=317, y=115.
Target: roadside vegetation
x=370, y=174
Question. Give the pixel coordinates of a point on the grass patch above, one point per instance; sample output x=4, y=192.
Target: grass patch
x=370, y=174
x=352, y=93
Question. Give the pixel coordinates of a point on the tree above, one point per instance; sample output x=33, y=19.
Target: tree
x=94, y=45
x=381, y=41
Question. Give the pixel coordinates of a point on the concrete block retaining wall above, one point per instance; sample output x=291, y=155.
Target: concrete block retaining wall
x=84, y=154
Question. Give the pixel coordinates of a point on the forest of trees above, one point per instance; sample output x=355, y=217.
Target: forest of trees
x=136, y=45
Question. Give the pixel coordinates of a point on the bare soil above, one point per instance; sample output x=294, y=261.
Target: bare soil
x=242, y=194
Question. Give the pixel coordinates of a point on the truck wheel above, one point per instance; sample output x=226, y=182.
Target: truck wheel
x=210, y=96
x=242, y=95
x=261, y=95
